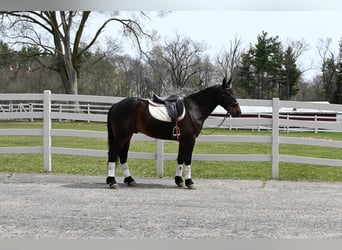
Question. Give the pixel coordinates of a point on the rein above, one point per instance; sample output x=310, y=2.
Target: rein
x=217, y=127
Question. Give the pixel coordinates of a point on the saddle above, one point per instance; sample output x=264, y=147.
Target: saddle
x=174, y=107
x=173, y=103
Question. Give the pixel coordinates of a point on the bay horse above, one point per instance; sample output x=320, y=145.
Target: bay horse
x=131, y=115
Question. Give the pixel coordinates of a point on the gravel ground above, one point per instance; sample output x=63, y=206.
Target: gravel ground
x=49, y=206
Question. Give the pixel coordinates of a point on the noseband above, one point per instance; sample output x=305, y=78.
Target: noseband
x=228, y=105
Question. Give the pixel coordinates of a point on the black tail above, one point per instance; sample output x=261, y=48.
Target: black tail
x=111, y=138
x=109, y=129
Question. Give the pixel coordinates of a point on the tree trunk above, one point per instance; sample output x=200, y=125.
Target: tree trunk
x=69, y=79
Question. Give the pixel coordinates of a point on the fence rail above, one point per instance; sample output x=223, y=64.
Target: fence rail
x=50, y=107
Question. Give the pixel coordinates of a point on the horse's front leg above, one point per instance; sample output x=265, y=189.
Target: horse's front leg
x=123, y=160
x=184, y=156
x=179, y=170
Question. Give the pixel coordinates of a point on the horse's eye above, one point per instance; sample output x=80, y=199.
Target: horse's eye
x=226, y=91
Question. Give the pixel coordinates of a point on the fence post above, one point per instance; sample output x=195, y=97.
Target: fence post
x=47, y=130
x=31, y=110
x=10, y=108
x=60, y=110
x=230, y=122
x=88, y=110
x=160, y=160
x=275, y=138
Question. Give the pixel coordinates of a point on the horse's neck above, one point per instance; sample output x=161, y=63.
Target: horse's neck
x=202, y=104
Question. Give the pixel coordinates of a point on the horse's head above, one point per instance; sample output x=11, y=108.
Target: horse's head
x=228, y=100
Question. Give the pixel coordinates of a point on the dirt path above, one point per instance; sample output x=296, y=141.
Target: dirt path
x=49, y=206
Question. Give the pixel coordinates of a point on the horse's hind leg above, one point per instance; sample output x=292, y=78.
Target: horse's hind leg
x=123, y=160
x=112, y=158
x=113, y=151
x=187, y=148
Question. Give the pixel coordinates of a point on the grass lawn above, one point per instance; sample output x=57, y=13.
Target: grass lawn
x=33, y=163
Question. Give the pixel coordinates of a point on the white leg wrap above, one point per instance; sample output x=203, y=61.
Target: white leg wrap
x=188, y=172
x=179, y=170
x=111, y=169
x=125, y=169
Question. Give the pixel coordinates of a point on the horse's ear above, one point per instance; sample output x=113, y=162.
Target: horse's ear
x=226, y=84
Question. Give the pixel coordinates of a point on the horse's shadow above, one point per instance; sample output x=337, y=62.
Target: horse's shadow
x=121, y=186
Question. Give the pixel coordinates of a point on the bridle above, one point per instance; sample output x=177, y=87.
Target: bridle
x=226, y=115
x=226, y=104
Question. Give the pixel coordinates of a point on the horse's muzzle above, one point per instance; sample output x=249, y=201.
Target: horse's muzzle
x=235, y=110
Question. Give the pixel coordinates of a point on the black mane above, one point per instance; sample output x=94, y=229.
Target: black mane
x=203, y=92
x=201, y=104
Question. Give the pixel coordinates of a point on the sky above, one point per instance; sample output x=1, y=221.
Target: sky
x=173, y=5
x=216, y=22
x=217, y=28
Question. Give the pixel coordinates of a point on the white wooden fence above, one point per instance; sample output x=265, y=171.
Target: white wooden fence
x=94, y=108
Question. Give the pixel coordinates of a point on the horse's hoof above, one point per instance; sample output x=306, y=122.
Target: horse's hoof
x=113, y=185
x=179, y=181
x=112, y=182
x=190, y=184
x=109, y=179
x=130, y=181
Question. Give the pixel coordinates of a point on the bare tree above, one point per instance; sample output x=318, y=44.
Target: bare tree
x=290, y=82
x=329, y=71
x=228, y=59
x=157, y=69
x=182, y=60
x=67, y=31
x=206, y=73
x=298, y=47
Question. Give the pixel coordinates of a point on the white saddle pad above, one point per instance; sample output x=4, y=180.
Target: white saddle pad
x=159, y=112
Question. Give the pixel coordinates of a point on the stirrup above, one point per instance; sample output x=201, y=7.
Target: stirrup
x=176, y=131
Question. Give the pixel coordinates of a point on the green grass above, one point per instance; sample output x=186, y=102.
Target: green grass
x=32, y=163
